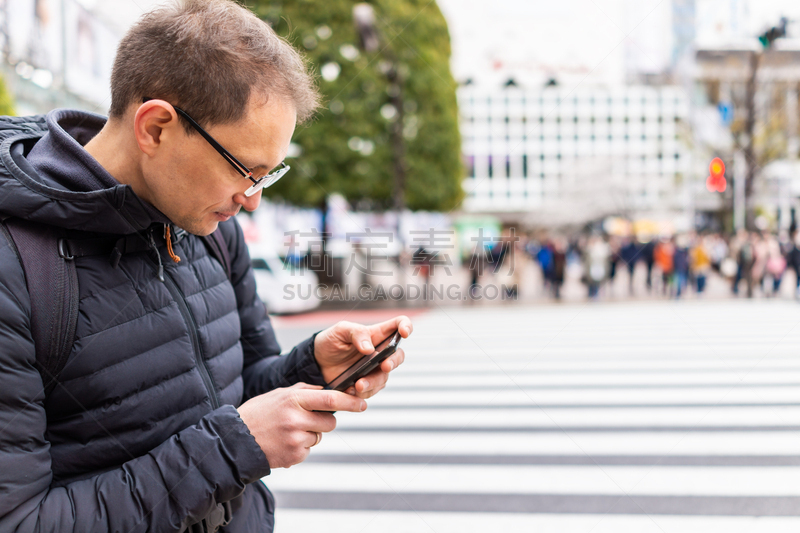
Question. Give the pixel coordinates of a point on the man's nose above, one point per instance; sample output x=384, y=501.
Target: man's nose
x=250, y=203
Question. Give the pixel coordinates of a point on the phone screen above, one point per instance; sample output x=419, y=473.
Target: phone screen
x=366, y=364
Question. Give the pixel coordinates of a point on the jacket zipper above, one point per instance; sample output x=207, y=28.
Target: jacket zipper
x=177, y=295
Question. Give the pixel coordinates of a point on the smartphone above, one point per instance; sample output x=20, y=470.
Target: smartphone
x=366, y=364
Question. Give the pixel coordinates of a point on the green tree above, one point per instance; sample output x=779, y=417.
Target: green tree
x=347, y=149
x=6, y=100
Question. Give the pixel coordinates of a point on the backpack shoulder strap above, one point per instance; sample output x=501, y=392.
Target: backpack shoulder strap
x=52, y=281
x=216, y=244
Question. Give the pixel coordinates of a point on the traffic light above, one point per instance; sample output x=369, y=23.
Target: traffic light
x=768, y=37
x=716, y=181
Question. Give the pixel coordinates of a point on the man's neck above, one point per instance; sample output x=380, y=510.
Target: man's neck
x=116, y=151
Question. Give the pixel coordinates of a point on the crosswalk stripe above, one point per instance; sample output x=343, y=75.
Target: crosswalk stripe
x=310, y=519
x=544, y=503
x=553, y=459
x=543, y=479
x=600, y=418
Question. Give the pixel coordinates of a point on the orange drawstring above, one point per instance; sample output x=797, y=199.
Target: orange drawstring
x=168, y=238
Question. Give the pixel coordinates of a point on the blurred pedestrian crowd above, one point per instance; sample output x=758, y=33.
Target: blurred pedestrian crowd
x=752, y=263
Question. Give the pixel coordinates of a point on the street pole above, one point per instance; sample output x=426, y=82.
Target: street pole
x=739, y=174
x=364, y=18
x=766, y=39
x=749, y=149
x=396, y=135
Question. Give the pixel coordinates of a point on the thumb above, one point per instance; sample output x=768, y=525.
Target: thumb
x=302, y=385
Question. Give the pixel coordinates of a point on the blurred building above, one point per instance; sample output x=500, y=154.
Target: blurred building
x=721, y=77
x=683, y=28
x=59, y=53
x=568, y=157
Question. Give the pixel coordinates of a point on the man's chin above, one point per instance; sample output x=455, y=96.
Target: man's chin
x=208, y=230
x=201, y=229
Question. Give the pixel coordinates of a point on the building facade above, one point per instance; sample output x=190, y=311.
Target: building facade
x=574, y=156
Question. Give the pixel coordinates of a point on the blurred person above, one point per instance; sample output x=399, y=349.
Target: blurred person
x=559, y=265
x=176, y=400
x=614, y=246
x=544, y=256
x=700, y=263
x=498, y=252
x=724, y=260
x=647, y=252
x=507, y=278
x=718, y=250
x=775, y=263
x=680, y=264
x=597, y=256
x=784, y=242
x=421, y=259
x=477, y=263
x=737, y=241
x=746, y=258
x=628, y=254
x=663, y=255
x=760, y=254
x=793, y=260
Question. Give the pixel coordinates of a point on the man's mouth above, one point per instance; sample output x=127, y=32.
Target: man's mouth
x=225, y=216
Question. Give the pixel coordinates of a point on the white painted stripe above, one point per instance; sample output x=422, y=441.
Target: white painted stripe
x=496, y=377
x=313, y=521
x=423, y=362
x=660, y=443
x=513, y=395
x=705, y=416
x=523, y=479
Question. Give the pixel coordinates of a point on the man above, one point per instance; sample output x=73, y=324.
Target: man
x=174, y=401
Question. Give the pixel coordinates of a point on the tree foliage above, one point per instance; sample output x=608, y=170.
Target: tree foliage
x=347, y=148
x=6, y=100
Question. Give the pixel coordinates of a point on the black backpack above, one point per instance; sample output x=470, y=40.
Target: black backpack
x=52, y=281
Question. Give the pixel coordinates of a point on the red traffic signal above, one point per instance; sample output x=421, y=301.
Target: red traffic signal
x=716, y=182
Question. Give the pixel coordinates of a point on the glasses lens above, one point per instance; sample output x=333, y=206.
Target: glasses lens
x=266, y=181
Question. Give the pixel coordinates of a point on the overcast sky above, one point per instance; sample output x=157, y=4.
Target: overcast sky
x=591, y=40
x=588, y=41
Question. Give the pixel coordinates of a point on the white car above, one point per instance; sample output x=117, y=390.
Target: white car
x=285, y=289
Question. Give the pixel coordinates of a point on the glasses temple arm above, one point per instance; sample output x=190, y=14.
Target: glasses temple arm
x=243, y=170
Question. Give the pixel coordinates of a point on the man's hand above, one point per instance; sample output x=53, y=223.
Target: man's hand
x=285, y=424
x=343, y=344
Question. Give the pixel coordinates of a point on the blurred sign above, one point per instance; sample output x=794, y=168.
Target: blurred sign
x=726, y=112
x=469, y=229
x=617, y=226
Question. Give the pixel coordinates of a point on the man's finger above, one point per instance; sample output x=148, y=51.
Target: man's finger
x=400, y=323
x=301, y=385
x=328, y=400
x=315, y=438
x=372, y=382
x=321, y=422
x=361, y=338
x=395, y=360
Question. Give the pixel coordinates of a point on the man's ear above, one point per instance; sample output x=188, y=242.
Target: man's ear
x=154, y=122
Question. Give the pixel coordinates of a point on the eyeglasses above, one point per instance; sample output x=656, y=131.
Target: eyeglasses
x=258, y=183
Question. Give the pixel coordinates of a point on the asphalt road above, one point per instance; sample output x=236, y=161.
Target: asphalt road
x=640, y=416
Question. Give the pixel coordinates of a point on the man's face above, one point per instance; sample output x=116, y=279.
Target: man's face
x=197, y=188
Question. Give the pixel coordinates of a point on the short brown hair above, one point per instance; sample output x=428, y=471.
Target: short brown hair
x=208, y=57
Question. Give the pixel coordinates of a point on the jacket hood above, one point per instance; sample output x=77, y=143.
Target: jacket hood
x=47, y=176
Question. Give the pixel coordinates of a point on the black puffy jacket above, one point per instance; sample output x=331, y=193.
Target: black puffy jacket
x=142, y=433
